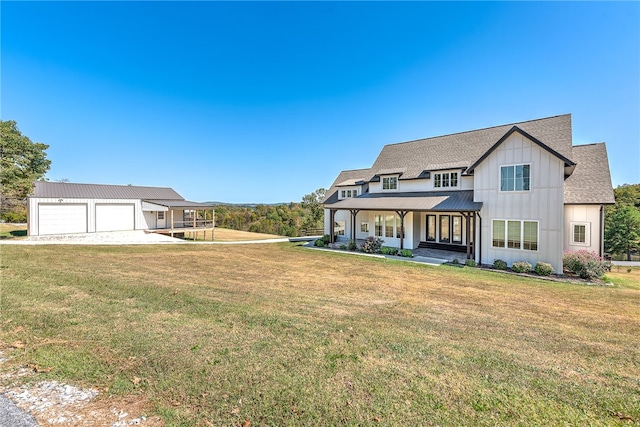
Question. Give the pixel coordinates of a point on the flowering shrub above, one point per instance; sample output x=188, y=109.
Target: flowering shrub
x=372, y=245
x=587, y=265
x=543, y=269
x=521, y=267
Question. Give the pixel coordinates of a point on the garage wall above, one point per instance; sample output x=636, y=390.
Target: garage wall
x=114, y=206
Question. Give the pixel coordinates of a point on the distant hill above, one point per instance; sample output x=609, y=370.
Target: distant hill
x=246, y=205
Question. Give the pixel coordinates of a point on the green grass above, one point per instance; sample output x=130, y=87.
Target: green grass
x=281, y=335
x=12, y=231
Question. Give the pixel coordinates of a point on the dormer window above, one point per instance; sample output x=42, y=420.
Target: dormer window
x=346, y=194
x=390, y=183
x=446, y=179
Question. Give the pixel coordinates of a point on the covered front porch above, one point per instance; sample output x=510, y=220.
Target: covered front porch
x=179, y=218
x=442, y=223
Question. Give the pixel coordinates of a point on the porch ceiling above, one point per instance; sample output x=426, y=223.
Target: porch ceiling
x=446, y=201
x=185, y=204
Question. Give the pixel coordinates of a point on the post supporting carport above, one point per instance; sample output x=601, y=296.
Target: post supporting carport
x=402, y=214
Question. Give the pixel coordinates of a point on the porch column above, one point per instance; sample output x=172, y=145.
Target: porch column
x=213, y=223
x=171, y=222
x=332, y=227
x=467, y=217
x=402, y=214
x=354, y=212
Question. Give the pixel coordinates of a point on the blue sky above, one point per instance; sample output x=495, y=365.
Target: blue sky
x=265, y=102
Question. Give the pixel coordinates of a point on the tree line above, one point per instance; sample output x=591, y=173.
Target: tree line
x=290, y=219
x=622, y=222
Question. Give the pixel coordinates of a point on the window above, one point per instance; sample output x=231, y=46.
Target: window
x=339, y=228
x=454, y=179
x=447, y=179
x=399, y=228
x=388, y=225
x=580, y=233
x=431, y=228
x=515, y=178
x=390, y=183
x=456, y=228
x=444, y=229
x=378, y=226
x=161, y=215
x=498, y=233
x=343, y=194
x=530, y=236
x=364, y=227
x=515, y=234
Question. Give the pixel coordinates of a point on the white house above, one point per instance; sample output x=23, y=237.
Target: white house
x=59, y=208
x=517, y=192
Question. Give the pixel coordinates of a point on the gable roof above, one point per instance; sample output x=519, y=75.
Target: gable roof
x=68, y=190
x=461, y=150
x=590, y=182
x=535, y=140
x=348, y=176
x=445, y=201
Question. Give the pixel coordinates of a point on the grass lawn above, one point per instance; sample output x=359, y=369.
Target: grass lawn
x=281, y=335
x=228, y=235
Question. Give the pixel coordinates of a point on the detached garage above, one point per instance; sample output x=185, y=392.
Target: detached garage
x=62, y=208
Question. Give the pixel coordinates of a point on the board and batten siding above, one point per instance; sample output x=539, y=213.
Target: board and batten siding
x=588, y=215
x=544, y=202
x=139, y=220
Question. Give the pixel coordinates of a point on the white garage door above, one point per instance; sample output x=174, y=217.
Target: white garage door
x=61, y=219
x=114, y=217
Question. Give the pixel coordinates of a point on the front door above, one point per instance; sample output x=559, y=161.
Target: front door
x=161, y=220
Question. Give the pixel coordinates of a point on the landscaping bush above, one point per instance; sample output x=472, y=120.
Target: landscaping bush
x=386, y=250
x=319, y=243
x=543, y=269
x=372, y=245
x=353, y=246
x=406, y=253
x=343, y=247
x=521, y=267
x=470, y=263
x=455, y=261
x=499, y=264
x=326, y=239
x=587, y=265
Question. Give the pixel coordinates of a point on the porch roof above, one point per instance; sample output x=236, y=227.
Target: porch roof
x=174, y=204
x=446, y=201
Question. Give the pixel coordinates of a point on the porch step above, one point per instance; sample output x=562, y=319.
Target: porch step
x=444, y=246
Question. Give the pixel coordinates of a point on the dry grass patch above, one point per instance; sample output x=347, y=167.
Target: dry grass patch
x=227, y=235
x=12, y=231
x=281, y=335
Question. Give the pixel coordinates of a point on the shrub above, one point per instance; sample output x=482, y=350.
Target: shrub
x=353, y=246
x=326, y=239
x=543, y=269
x=406, y=253
x=499, y=264
x=343, y=247
x=372, y=245
x=587, y=265
x=470, y=263
x=319, y=243
x=386, y=250
x=455, y=261
x=521, y=267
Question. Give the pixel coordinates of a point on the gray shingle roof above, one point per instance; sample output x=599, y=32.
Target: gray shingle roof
x=346, y=176
x=590, y=182
x=461, y=150
x=68, y=190
x=445, y=201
